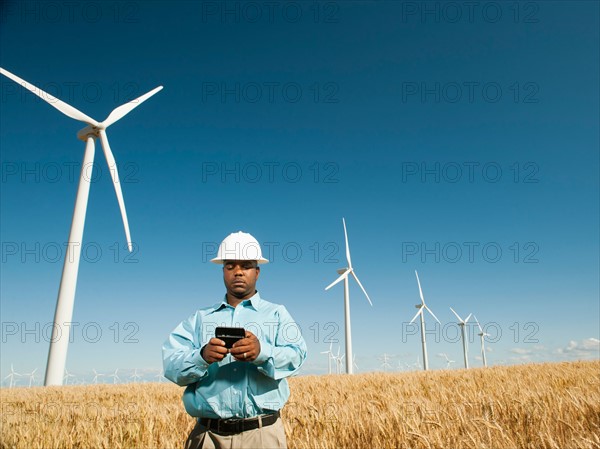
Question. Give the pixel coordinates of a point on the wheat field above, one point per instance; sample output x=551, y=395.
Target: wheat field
x=553, y=405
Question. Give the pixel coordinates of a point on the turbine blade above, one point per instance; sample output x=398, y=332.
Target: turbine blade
x=344, y=275
x=420, y=291
x=121, y=111
x=347, y=246
x=415, y=317
x=459, y=318
x=432, y=314
x=361, y=286
x=478, y=325
x=112, y=166
x=467, y=318
x=63, y=107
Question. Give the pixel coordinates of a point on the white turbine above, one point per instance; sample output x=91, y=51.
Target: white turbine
x=416, y=364
x=448, y=361
x=338, y=361
x=135, y=375
x=462, y=323
x=96, y=376
x=420, y=312
x=31, y=376
x=11, y=376
x=482, y=336
x=354, y=361
x=66, y=377
x=344, y=273
x=115, y=376
x=385, y=363
x=330, y=356
x=57, y=356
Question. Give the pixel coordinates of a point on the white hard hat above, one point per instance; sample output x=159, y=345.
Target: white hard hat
x=239, y=246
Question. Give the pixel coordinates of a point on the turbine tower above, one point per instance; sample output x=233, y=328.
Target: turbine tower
x=462, y=323
x=482, y=336
x=344, y=273
x=420, y=312
x=59, y=343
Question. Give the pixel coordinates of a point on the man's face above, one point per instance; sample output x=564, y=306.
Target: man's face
x=240, y=277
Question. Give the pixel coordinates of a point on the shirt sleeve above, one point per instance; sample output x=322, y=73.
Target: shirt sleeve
x=284, y=354
x=182, y=362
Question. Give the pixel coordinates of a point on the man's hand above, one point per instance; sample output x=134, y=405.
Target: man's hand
x=246, y=349
x=214, y=351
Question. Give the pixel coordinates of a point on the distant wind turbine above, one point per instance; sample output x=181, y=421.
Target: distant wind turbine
x=329, y=355
x=59, y=343
x=448, y=361
x=67, y=375
x=416, y=364
x=354, y=361
x=115, y=376
x=96, y=376
x=385, y=364
x=344, y=273
x=338, y=362
x=420, y=312
x=482, y=336
x=11, y=376
x=31, y=377
x=462, y=323
x=135, y=376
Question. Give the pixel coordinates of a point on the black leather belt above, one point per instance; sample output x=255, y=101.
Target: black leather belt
x=235, y=425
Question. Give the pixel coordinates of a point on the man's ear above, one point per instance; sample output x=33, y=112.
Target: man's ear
x=257, y=271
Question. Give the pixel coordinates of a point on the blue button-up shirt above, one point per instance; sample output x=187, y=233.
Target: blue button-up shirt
x=230, y=389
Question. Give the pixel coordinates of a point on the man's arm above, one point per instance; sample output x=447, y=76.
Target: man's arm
x=182, y=361
x=287, y=354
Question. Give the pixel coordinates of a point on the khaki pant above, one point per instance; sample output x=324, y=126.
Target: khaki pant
x=269, y=437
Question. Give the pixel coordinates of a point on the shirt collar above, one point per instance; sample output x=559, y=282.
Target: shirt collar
x=254, y=302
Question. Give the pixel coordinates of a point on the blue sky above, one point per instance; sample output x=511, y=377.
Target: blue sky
x=460, y=141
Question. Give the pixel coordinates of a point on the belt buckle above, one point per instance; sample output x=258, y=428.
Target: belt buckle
x=232, y=425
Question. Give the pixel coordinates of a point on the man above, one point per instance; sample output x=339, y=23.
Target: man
x=236, y=393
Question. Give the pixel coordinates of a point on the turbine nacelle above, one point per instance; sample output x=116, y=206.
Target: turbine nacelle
x=89, y=130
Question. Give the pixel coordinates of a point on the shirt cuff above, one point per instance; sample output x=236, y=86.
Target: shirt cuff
x=200, y=362
x=266, y=352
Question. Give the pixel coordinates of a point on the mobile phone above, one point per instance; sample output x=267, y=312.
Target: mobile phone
x=230, y=335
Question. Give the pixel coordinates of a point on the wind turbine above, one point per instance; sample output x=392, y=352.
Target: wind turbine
x=96, y=376
x=416, y=364
x=115, y=376
x=59, y=343
x=338, y=362
x=448, y=361
x=354, y=361
x=329, y=355
x=482, y=335
x=344, y=273
x=462, y=324
x=385, y=363
x=420, y=312
x=11, y=376
x=31, y=376
x=67, y=375
x=135, y=375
